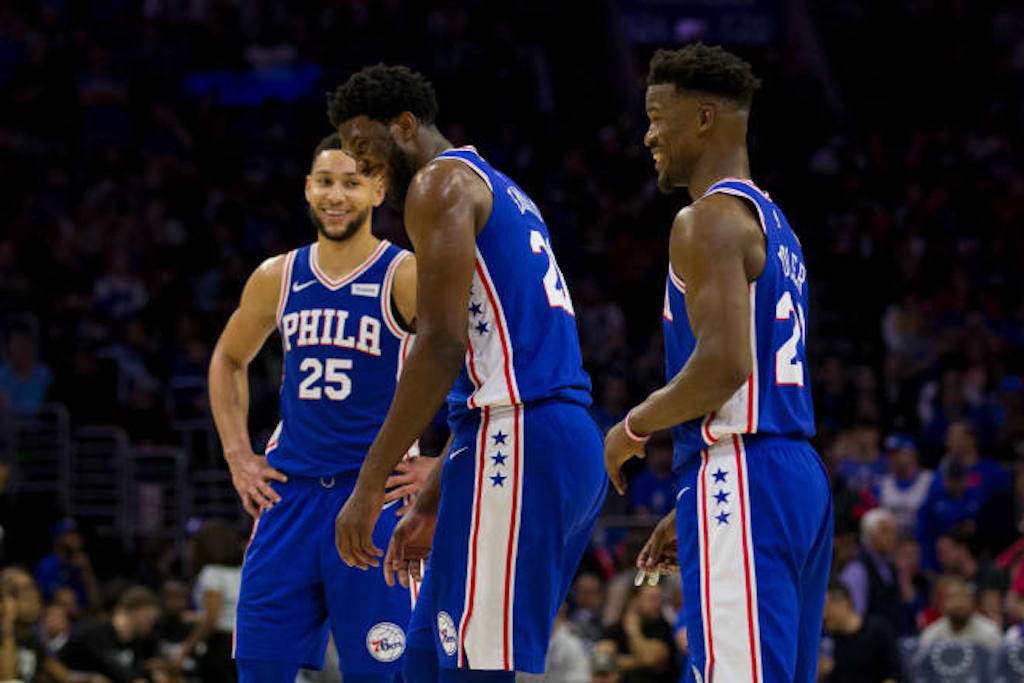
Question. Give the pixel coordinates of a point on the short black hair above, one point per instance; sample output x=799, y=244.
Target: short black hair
x=332, y=141
x=137, y=597
x=707, y=69
x=382, y=92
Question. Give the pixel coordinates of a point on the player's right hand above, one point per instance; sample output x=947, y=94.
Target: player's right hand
x=409, y=546
x=661, y=552
x=251, y=476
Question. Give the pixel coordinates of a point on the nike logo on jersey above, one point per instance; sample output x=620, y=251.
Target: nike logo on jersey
x=680, y=494
x=451, y=456
x=296, y=287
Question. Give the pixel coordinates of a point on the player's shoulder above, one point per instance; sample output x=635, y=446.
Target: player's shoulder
x=264, y=284
x=717, y=218
x=444, y=180
x=271, y=269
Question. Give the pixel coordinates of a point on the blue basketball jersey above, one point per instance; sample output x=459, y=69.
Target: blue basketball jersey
x=776, y=398
x=523, y=343
x=343, y=351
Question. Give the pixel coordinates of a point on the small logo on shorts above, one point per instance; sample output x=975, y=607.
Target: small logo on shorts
x=385, y=641
x=696, y=674
x=447, y=633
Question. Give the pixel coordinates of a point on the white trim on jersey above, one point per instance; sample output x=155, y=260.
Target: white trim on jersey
x=728, y=595
x=489, y=359
x=286, y=283
x=335, y=285
x=385, y=296
x=486, y=631
x=676, y=280
x=737, y=193
x=479, y=172
x=739, y=414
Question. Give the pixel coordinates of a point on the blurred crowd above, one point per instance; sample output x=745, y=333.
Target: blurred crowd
x=152, y=154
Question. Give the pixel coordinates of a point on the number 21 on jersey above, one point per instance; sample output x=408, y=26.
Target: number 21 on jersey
x=789, y=366
x=554, y=282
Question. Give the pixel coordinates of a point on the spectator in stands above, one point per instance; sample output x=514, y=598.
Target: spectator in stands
x=23, y=656
x=120, y=647
x=905, y=487
x=982, y=473
x=55, y=628
x=643, y=640
x=863, y=648
x=587, y=604
x=959, y=620
x=175, y=625
x=568, y=658
x=914, y=587
x=69, y=566
x=861, y=463
x=604, y=668
x=652, y=491
x=217, y=553
x=955, y=558
x=24, y=381
x=871, y=577
x=950, y=503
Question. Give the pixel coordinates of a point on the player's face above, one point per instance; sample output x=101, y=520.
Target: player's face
x=672, y=134
x=340, y=198
x=372, y=144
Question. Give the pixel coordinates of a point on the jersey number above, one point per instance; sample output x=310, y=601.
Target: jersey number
x=789, y=370
x=554, y=282
x=336, y=384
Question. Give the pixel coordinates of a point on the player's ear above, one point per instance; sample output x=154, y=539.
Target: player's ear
x=403, y=126
x=377, y=183
x=308, y=189
x=706, y=116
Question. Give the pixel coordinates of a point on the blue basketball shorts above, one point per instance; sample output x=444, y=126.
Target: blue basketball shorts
x=754, y=518
x=520, y=495
x=295, y=587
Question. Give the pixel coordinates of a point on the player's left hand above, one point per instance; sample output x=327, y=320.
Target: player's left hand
x=353, y=528
x=408, y=479
x=618, y=448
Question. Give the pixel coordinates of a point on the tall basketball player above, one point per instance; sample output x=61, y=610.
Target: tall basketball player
x=342, y=307
x=523, y=482
x=753, y=527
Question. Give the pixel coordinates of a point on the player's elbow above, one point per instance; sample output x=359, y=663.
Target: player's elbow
x=446, y=350
x=730, y=369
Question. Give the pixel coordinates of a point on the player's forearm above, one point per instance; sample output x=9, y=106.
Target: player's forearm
x=426, y=378
x=429, y=496
x=704, y=384
x=229, y=403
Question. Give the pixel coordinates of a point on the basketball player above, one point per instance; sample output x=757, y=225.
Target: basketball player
x=342, y=306
x=753, y=530
x=522, y=482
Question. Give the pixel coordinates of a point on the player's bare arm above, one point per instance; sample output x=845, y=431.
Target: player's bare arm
x=445, y=205
x=412, y=538
x=244, y=335
x=717, y=248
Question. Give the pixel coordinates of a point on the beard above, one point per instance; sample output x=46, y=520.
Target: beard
x=401, y=170
x=350, y=229
x=665, y=185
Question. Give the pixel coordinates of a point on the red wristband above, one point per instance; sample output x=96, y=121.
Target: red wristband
x=630, y=433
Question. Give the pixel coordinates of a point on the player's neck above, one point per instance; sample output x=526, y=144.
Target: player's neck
x=717, y=165
x=432, y=143
x=338, y=259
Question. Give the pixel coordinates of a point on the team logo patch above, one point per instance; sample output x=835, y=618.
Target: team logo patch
x=385, y=641
x=447, y=633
